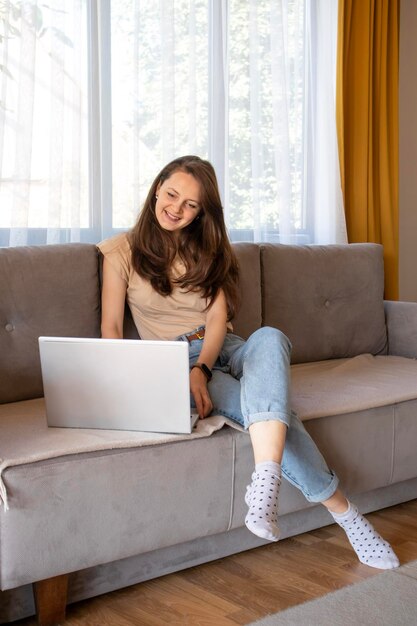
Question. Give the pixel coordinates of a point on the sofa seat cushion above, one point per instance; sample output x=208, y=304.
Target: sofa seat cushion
x=77, y=511
x=26, y=438
x=339, y=386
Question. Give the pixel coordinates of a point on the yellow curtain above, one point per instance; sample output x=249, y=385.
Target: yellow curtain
x=367, y=121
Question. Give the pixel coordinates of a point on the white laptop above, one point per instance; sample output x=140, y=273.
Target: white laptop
x=117, y=384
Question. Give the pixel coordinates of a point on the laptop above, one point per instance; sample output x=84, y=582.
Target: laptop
x=117, y=384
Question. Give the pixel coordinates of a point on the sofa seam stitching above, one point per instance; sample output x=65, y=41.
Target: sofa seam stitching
x=232, y=490
x=394, y=419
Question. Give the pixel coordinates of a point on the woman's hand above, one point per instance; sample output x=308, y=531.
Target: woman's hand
x=198, y=386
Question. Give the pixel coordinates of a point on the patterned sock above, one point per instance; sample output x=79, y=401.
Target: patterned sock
x=262, y=500
x=369, y=546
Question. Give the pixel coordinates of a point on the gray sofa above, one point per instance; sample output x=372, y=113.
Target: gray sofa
x=82, y=524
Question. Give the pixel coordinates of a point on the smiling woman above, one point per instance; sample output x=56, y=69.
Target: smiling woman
x=177, y=257
x=179, y=274
x=184, y=201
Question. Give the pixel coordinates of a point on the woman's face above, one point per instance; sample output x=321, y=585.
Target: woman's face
x=178, y=201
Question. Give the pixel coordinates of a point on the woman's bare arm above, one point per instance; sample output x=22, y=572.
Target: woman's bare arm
x=112, y=303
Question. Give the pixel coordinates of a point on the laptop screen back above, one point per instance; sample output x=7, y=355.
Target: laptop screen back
x=117, y=384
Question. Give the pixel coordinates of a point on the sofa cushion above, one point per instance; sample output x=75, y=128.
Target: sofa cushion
x=358, y=447
x=249, y=316
x=45, y=290
x=26, y=438
x=98, y=507
x=340, y=386
x=328, y=300
x=404, y=447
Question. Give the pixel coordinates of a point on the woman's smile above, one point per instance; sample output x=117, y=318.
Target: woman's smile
x=171, y=216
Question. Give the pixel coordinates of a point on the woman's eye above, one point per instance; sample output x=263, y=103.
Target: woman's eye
x=171, y=195
x=191, y=205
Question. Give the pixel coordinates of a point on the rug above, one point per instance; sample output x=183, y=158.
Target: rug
x=388, y=599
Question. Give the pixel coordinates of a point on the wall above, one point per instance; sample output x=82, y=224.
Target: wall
x=408, y=151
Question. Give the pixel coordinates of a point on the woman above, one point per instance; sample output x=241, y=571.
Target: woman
x=177, y=270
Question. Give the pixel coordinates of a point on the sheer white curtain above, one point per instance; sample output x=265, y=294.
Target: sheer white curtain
x=249, y=85
x=104, y=93
x=43, y=122
x=324, y=193
x=282, y=158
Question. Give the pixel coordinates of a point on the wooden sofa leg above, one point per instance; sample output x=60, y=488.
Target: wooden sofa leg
x=51, y=600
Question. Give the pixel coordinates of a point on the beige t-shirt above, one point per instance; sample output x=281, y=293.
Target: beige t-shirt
x=155, y=316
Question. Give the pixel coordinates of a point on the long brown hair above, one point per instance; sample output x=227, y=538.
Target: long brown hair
x=203, y=246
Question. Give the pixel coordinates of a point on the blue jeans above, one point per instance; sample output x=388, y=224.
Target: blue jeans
x=251, y=383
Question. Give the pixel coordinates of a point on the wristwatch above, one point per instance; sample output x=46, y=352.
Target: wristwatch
x=206, y=370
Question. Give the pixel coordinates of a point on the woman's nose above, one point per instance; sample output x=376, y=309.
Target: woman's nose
x=177, y=203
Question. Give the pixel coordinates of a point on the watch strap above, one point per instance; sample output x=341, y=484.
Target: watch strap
x=206, y=370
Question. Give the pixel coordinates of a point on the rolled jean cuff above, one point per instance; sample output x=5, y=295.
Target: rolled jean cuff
x=268, y=416
x=327, y=493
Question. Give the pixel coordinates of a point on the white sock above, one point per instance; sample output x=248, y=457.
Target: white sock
x=262, y=500
x=369, y=546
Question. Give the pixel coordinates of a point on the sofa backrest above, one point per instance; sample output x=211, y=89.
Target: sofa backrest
x=328, y=300
x=44, y=290
x=249, y=315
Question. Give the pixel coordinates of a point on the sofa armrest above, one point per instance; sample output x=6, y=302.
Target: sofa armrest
x=401, y=319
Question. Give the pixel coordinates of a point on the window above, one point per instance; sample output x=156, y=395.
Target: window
x=43, y=121
x=97, y=96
